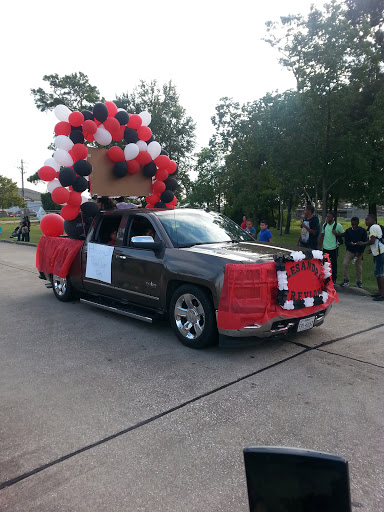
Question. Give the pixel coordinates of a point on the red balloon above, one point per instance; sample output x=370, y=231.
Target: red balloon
x=118, y=134
x=76, y=119
x=74, y=198
x=69, y=212
x=144, y=133
x=112, y=125
x=161, y=175
x=89, y=127
x=63, y=128
x=143, y=158
x=115, y=153
x=153, y=199
x=60, y=195
x=47, y=173
x=172, y=167
x=133, y=166
x=89, y=137
x=162, y=161
x=112, y=109
x=52, y=225
x=79, y=152
x=134, y=121
x=158, y=187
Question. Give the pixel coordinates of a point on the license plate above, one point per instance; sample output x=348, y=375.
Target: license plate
x=306, y=323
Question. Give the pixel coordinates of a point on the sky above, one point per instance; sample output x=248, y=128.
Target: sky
x=209, y=49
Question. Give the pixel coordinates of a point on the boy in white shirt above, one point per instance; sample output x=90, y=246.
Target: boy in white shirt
x=376, y=244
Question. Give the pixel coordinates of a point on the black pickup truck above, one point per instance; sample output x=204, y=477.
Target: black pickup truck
x=198, y=268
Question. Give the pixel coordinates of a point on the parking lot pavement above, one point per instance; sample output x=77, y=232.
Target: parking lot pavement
x=100, y=412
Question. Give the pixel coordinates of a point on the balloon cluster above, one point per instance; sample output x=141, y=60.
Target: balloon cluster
x=67, y=171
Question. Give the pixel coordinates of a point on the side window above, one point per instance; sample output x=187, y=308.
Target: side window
x=106, y=227
x=141, y=226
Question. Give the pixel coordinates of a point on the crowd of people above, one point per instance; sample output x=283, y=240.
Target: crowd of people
x=22, y=231
x=329, y=236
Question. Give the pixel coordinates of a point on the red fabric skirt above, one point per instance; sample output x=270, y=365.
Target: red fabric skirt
x=55, y=255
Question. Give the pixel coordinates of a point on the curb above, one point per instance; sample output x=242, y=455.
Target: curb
x=352, y=290
x=19, y=243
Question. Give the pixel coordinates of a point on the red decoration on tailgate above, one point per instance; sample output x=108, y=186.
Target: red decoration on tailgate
x=249, y=296
x=55, y=255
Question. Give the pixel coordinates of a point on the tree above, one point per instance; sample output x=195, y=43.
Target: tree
x=327, y=56
x=72, y=90
x=208, y=188
x=170, y=124
x=9, y=195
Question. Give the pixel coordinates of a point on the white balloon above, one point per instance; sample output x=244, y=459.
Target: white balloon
x=102, y=136
x=154, y=149
x=84, y=199
x=51, y=162
x=131, y=151
x=142, y=145
x=63, y=142
x=51, y=185
x=146, y=118
x=62, y=112
x=62, y=157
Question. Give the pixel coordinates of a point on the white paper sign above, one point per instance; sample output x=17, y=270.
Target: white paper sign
x=99, y=260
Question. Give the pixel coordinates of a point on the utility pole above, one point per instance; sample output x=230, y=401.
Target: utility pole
x=22, y=183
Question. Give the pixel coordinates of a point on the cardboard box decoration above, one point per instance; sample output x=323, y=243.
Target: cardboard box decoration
x=104, y=183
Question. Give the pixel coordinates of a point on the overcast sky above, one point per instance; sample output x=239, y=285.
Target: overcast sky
x=209, y=49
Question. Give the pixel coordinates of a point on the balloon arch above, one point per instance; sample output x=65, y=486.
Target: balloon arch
x=67, y=172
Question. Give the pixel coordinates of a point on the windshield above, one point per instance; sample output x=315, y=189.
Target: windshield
x=187, y=228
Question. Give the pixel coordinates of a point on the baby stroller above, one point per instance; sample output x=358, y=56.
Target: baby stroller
x=15, y=233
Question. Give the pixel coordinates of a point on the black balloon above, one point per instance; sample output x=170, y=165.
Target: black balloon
x=88, y=116
x=80, y=184
x=170, y=183
x=67, y=176
x=89, y=208
x=160, y=204
x=100, y=112
x=130, y=135
x=122, y=116
x=76, y=228
x=163, y=152
x=150, y=169
x=120, y=169
x=77, y=137
x=151, y=139
x=82, y=167
x=167, y=196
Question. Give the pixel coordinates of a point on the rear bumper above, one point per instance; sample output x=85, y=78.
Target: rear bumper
x=276, y=327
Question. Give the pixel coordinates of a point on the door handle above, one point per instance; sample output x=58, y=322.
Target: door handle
x=122, y=257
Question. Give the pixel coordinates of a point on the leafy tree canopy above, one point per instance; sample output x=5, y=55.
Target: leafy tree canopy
x=9, y=193
x=72, y=90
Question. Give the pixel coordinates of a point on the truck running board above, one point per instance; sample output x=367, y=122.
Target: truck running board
x=122, y=309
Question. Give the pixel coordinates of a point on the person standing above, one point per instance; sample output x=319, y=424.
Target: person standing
x=250, y=229
x=265, y=235
x=28, y=224
x=310, y=229
x=376, y=243
x=354, y=252
x=22, y=222
x=328, y=241
x=243, y=225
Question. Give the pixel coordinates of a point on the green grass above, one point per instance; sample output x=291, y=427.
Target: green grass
x=8, y=227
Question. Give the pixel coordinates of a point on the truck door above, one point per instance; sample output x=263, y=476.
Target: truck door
x=137, y=273
x=98, y=253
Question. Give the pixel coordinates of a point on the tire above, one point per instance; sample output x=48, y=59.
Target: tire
x=62, y=288
x=192, y=317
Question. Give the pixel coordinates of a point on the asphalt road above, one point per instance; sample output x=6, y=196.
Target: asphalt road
x=104, y=413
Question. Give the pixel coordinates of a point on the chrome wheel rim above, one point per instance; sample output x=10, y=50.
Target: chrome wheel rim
x=60, y=285
x=189, y=316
